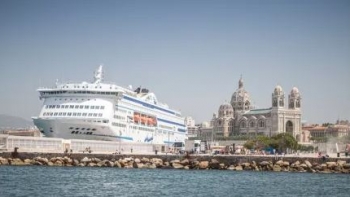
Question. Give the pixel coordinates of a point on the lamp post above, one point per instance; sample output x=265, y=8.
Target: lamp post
x=120, y=141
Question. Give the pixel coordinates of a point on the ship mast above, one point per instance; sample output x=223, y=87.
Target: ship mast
x=98, y=75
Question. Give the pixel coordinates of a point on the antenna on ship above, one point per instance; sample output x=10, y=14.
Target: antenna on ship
x=98, y=75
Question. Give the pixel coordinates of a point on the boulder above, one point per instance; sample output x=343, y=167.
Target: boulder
x=138, y=165
x=264, y=163
x=276, y=168
x=58, y=163
x=239, y=168
x=203, y=165
x=214, y=164
x=18, y=162
x=137, y=160
x=285, y=164
x=28, y=161
x=117, y=164
x=231, y=167
x=346, y=166
x=185, y=162
x=186, y=168
x=331, y=164
x=145, y=160
x=96, y=160
x=341, y=162
x=177, y=166
x=75, y=162
x=85, y=159
x=109, y=164
x=91, y=164
x=222, y=166
x=279, y=162
x=175, y=161
x=307, y=163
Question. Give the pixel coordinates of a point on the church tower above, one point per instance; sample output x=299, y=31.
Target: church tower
x=294, y=99
x=278, y=97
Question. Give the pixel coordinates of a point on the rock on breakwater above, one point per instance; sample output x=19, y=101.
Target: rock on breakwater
x=236, y=163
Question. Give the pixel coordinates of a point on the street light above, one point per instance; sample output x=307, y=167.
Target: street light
x=120, y=139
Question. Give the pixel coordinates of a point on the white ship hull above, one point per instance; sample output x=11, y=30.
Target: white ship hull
x=100, y=111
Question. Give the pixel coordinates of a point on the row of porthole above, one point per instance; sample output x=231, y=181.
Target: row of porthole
x=79, y=132
x=88, y=129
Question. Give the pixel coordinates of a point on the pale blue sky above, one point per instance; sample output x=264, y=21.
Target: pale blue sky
x=190, y=53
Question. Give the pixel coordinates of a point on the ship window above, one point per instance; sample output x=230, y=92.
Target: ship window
x=97, y=107
x=74, y=114
x=77, y=106
x=71, y=106
x=69, y=114
x=76, y=128
x=92, y=107
x=86, y=107
x=53, y=106
x=84, y=114
x=72, y=132
x=78, y=114
x=90, y=114
x=105, y=121
x=64, y=113
x=95, y=114
x=46, y=106
x=81, y=106
x=55, y=114
x=57, y=106
x=82, y=128
x=60, y=114
x=88, y=129
x=99, y=115
x=66, y=107
x=102, y=107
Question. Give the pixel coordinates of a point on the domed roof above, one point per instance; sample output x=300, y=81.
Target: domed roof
x=225, y=106
x=225, y=109
x=294, y=91
x=278, y=90
x=240, y=95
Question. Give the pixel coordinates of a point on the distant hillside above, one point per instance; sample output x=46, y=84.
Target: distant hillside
x=12, y=122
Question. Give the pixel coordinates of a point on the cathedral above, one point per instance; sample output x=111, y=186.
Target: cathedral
x=240, y=118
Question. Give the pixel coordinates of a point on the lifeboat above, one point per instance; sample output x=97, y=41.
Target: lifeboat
x=143, y=119
x=149, y=121
x=136, y=117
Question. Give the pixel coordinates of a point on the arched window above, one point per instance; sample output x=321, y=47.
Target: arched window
x=289, y=127
x=243, y=124
x=252, y=124
x=261, y=123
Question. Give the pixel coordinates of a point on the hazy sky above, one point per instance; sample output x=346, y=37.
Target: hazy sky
x=189, y=53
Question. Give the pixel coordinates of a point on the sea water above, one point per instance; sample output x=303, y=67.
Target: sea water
x=43, y=181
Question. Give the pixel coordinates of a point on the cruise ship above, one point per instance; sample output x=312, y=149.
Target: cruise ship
x=105, y=111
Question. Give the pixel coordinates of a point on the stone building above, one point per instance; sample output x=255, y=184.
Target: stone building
x=240, y=118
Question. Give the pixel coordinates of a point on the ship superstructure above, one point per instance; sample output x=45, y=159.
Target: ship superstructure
x=105, y=111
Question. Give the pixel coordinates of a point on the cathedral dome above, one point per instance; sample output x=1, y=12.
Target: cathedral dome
x=294, y=92
x=225, y=110
x=278, y=90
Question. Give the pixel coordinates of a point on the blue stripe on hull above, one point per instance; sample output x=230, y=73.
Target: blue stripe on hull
x=147, y=104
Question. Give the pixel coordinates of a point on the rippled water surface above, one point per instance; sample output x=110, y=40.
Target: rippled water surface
x=66, y=181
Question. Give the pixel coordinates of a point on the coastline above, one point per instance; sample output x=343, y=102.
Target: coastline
x=187, y=162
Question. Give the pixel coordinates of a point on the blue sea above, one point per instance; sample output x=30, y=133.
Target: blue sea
x=39, y=181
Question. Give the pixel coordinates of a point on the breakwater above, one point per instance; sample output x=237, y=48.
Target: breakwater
x=200, y=162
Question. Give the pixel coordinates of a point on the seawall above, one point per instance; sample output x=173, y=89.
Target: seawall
x=222, y=162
